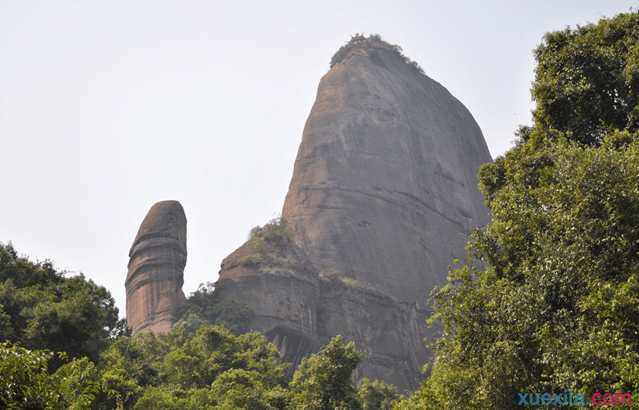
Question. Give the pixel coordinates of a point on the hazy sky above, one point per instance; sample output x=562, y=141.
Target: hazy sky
x=107, y=107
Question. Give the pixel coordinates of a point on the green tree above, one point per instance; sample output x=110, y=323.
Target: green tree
x=132, y=364
x=377, y=395
x=323, y=381
x=553, y=302
x=215, y=369
x=587, y=79
x=203, y=309
x=245, y=389
x=178, y=370
x=27, y=384
x=558, y=306
x=40, y=308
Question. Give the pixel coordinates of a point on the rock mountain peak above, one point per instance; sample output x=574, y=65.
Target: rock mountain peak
x=382, y=198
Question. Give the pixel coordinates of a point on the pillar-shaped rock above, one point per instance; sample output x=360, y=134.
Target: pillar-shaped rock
x=156, y=269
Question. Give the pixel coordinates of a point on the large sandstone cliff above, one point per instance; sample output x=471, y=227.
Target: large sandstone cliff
x=385, y=181
x=383, y=196
x=156, y=269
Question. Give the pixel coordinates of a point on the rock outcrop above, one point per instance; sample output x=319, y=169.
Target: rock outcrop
x=385, y=181
x=156, y=269
x=382, y=199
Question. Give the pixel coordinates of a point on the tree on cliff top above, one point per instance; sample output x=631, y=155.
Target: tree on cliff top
x=558, y=307
x=374, y=41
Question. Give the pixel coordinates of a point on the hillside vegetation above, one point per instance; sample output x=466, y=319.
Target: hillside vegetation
x=97, y=364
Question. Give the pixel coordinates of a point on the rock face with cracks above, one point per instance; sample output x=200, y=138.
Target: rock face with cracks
x=156, y=269
x=382, y=199
x=385, y=181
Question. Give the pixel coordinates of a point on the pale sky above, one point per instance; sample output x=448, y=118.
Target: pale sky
x=107, y=107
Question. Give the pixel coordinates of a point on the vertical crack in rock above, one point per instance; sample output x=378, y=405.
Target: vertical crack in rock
x=156, y=269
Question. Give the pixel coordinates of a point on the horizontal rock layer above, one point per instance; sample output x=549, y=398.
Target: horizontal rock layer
x=156, y=269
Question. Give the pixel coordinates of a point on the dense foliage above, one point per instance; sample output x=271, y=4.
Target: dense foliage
x=176, y=371
x=557, y=308
x=587, y=79
x=378, y=395
x=319, y=384
x=215, y=369
x=27, y=384
x=202, y=309
x=41, y=308
x=193, y=366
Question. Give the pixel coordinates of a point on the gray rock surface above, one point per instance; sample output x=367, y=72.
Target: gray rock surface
x=385, y=182
x=382, y=199
x=156, y=269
